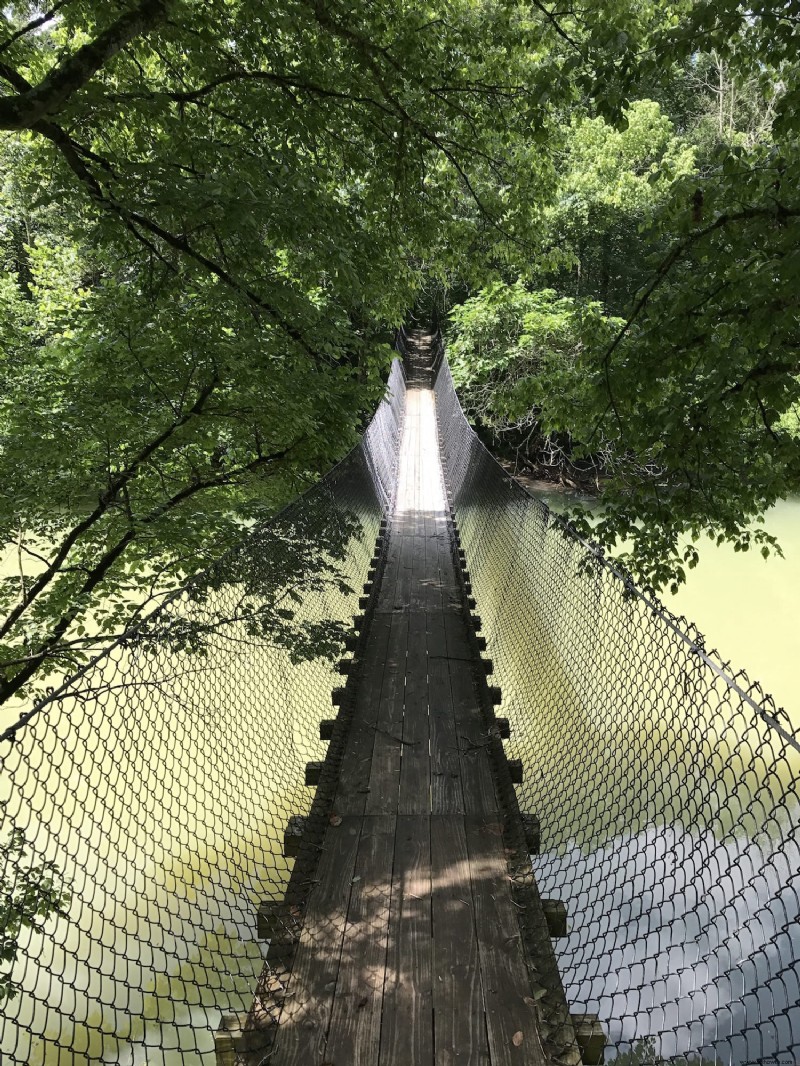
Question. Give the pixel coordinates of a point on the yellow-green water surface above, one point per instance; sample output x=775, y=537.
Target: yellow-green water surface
x=747, y=607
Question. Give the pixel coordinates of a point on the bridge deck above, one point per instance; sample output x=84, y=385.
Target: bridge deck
x=410, y=949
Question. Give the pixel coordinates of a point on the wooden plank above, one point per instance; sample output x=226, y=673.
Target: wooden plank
x=510, y=1021
x=415, y=768
x=306, y=1014
x=384, y=779
x=405, y=572
x=353, y=786
x=472, y=732
x=354, y=1034
x=459, y=1023
x=457, y=644
x=434, y=580
x=446, y=793
x=407, y=1026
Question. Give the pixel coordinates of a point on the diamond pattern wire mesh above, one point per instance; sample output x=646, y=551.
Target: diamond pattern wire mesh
x=160, y=780
x=666, y=786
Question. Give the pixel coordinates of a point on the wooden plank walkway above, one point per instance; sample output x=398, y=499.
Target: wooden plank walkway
x=410, y=952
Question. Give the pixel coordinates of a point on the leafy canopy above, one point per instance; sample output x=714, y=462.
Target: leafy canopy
x=675, y=232
x=212, y=215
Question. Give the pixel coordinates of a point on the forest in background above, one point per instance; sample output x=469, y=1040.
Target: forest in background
x=215, y=212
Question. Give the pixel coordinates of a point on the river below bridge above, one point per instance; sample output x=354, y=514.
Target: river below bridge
x=745, y=606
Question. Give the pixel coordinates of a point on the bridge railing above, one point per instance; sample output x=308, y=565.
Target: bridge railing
x=147, y=797
x=666, y=785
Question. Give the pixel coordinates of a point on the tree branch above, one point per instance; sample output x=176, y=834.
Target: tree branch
x=100, y=570
x=53, y=93
x=34, y=24
x=779, y=213
x=106, y=500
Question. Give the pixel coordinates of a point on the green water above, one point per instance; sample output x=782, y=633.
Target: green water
x=746, y=606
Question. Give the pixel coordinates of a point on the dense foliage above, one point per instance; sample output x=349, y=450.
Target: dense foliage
x=214, y=212
x=655, y=352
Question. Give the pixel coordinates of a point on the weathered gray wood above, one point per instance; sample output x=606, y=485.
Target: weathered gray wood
x=411, y=953
x=533, y=832
x=313, y=773
x=354, y=779
x=303, y=1028
x=384, y=779
x=355, y=1025
x=459, y=1022
x=512, y=1031
x=407, y=1027
x=516, y=771
x=555, y=914
x=590, y=1036
x=415, y=766
x=293, y=835
x=446, y=793
x=473, y=739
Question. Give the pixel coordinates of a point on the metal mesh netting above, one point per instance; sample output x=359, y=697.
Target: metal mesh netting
x=160, y=779
x=666, y=787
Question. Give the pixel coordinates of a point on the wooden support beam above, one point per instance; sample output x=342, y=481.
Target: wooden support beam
x=488, y=666
x=363, y=602
x=495, y=695
x=313, y=773
x=515, y=771
x=555, y=913
x=239, y=1035
x=337, y=696
x=477, y=623
x=344, y=666
x=471, y=603
x=503, y=728
x=481, y=643
x=351, y=642
x=230, y=1028
x=590, y=1036
x=533, y=832
x=293, y=835
x=278, y=922
x=326, y=728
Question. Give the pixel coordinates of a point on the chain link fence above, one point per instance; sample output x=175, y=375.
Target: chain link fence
x=665, y=784
x=146, y=799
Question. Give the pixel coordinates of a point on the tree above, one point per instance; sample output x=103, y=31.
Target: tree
x=213, y=213
x=692, y=401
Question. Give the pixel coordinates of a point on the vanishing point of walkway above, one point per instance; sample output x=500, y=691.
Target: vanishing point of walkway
x=410, y=949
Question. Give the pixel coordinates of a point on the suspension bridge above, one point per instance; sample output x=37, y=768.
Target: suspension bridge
x=526, y=814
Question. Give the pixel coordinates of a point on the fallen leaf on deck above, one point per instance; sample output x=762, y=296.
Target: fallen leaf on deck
x=517, y=1038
